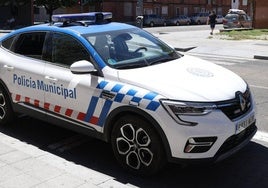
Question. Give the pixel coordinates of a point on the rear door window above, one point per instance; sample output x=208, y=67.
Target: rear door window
x=30, y=44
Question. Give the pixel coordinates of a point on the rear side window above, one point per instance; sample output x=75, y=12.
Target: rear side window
x=231, y=17
x=8, y=43
x=30, y=44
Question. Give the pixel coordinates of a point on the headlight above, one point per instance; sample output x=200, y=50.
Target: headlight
x=178, y=109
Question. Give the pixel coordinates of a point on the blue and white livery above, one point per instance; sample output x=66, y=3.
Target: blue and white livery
x=120, y=84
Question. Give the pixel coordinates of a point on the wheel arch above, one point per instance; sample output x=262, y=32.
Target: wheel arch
x=121, y=111
x=3, y=85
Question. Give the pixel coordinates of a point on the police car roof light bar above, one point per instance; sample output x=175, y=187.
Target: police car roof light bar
x=91, y=17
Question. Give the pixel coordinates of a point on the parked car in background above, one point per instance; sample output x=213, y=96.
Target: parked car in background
x=179, y=20
x=237, y=19
x=219, y=19
x=200, y=18
x=153, y=20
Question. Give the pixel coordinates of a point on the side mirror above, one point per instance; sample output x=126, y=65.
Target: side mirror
x=82, y=67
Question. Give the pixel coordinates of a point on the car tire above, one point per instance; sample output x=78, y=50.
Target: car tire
x=178, y=24
x=137, y=146
x=6, y=111
x=151, y=24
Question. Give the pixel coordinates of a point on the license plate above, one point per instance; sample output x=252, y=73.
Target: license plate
x=244, y=123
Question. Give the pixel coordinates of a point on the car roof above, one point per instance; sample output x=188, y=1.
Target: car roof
x=73, y=30
x=76, y=24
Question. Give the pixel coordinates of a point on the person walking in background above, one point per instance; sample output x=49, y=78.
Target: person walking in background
x=212, y=21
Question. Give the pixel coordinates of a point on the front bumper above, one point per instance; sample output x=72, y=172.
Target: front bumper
x=235, y=143
x=231, y=146
x=216, y=136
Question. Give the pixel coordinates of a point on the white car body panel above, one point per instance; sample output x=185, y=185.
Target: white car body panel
x=187, y=79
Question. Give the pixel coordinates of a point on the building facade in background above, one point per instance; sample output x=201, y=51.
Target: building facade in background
x=260, y=14
x=128, y=10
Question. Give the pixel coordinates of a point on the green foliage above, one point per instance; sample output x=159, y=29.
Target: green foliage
x=13, y=2
x=51, y=5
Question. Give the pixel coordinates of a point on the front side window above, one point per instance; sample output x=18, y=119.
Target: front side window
x=30, y=44
x=66, y=50
x=131, y=48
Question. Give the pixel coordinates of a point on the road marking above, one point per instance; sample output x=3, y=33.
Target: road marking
x=259, y=87
x=261, y=136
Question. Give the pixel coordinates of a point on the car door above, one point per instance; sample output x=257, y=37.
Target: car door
x=68, y=96
x=24, y=68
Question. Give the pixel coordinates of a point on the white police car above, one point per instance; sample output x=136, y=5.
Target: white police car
x=122, y=85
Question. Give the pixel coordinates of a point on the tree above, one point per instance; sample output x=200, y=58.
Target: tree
x=51, y=5
x=13, y=2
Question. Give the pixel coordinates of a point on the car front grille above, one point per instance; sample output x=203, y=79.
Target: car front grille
x=237, y=106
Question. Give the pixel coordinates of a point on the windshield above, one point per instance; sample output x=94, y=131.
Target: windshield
x=133, y=48
x=231, y=17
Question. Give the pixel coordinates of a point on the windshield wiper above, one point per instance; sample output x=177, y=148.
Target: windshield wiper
x=130, y=66
x=161, y=60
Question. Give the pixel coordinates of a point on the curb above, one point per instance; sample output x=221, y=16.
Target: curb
x=261, y=57
x=235, y=29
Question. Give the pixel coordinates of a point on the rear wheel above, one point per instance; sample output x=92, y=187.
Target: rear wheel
x=137, y=146
x=6, y=112
x=151, y=24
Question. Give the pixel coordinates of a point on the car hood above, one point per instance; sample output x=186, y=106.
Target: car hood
x=187, y=78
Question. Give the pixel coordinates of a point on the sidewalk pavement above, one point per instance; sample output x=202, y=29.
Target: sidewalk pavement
x=25, y=166
x=202, y=43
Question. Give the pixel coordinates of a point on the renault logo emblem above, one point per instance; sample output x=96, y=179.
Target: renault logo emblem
x=242, y=100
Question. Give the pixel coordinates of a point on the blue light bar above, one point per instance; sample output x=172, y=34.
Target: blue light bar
x=91, y=17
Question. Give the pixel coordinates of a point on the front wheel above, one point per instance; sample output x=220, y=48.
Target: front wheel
x=137, y=146
x=6, y=112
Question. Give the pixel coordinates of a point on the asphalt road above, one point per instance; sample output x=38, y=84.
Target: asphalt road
x=248, y=168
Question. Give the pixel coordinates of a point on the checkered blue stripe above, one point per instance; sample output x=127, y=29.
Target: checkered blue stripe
x=143, y=98
x=121, y=94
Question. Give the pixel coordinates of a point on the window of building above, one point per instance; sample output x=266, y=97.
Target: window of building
x=196, y=9
x=185, y=11
x=157, y=10
x=127, y=9
x=148, y=11
x=177, y=11
x=164, y=10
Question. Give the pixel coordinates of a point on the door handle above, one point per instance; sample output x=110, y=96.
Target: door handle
x=51, y=79
x=8, y=67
